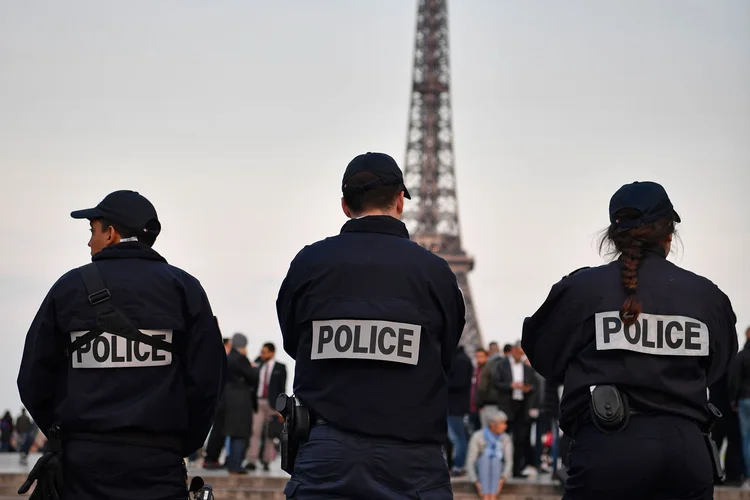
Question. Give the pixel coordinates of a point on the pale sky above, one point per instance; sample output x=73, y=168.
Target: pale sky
x=236, y=118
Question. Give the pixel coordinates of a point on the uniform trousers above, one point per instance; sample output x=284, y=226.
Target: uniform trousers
x=96, y=471
x=656, y=457
x=333, y=464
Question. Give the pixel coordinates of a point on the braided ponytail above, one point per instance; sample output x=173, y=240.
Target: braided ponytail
x=631, y=246
x=630, y=260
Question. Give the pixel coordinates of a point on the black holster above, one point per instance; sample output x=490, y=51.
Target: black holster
x=610, y=409
x=296, y=430
x=713, y=450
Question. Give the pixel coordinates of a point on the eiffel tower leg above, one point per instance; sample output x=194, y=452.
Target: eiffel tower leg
x=471, y=337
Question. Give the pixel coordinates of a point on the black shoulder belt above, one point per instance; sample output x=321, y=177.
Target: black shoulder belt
x=108, y=317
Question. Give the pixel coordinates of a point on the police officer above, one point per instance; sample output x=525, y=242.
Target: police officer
x=637, y=342
x=123, y=365
x=373, y=321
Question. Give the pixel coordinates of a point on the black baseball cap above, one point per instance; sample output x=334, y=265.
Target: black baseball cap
x=126, y=208
x=380, y=165
x=648, y=198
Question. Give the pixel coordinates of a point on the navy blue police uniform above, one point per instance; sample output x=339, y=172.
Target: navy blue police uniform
x=373, y=321
x=681, y=342
x=125, y=411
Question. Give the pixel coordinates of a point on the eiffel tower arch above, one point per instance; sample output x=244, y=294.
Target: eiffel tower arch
x=429, y=169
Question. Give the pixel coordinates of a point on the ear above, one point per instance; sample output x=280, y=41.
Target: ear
x=346, y=210
x=669, y=238
x=113, y=237
x=400, y=203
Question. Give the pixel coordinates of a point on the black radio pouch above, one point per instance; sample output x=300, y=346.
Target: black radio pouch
x=713, y=450
x=296, y=430
x=609, y=408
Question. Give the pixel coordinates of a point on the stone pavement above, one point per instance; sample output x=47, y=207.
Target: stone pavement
x=260, y=485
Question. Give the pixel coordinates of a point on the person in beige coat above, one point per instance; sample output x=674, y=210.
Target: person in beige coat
x=490, y=458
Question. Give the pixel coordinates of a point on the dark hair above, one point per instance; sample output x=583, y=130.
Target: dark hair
x=270, y=346
x=507, y=348
x=479, y=349
x=493, y=343
x=225, y=340
x=377, y=198
x=145, y=238
x=631, y=245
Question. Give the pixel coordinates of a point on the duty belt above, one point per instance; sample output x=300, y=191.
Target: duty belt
x=585, y=418
x=147, y=440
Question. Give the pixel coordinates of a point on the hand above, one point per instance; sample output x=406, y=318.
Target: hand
x=527, y=388
x=500, y=484
x=47, y=472
x=516, y=385
x=534, y=413
x=478, y=487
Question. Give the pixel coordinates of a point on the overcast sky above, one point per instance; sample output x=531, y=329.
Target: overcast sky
x=237, y=119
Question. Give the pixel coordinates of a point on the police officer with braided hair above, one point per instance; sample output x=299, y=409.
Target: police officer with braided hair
x=372, y=320
x=123, y=366
x=637, y=342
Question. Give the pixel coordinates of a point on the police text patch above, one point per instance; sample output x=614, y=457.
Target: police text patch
x=112, y=351
x=366, y=339
x=652, y=334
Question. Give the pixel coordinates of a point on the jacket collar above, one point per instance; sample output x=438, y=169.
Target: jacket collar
x=129, y=250
x=384, y=224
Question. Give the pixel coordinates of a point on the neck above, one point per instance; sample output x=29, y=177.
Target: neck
x=389, y=213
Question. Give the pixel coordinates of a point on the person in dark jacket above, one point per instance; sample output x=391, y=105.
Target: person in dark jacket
x=516, y=383
x=459, y=396
x=739, y=394
x=242, y=382
x=123, y=366
x=23, y=429
x=638, y=342
x=6, y=431
x=728, y=427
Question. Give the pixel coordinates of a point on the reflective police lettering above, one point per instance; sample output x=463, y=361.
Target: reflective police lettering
x=366, y=339
x=652, y=334
x=112, y=351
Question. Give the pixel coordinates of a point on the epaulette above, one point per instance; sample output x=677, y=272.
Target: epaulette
x=577, y=270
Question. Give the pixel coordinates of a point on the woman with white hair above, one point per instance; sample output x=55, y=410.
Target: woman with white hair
x=490, y=457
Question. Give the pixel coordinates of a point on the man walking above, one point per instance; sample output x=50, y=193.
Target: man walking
x=271, y=383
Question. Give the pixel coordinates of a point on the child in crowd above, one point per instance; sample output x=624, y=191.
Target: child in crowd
x=490, y=457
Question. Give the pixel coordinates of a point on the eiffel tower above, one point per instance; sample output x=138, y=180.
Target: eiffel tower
x=429, y=173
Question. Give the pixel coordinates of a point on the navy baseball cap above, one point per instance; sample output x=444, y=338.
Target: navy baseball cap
x=648, y=199
x=127, y=208
x=380, y=165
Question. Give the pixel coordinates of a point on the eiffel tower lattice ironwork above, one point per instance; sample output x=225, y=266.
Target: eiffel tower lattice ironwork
x=429, y=173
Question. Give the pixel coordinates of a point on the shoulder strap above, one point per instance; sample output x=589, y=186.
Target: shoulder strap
x=108, y=317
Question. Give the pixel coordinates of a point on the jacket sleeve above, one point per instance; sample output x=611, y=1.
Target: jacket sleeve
x=507, y=456
x=42, y=365
x=453, y=306
x=283, y=379
x=552, y=336
x=459, y=378
x=206, y=368
x=723, y=343
x=499, y=379
x=735, y=377
x=472, y=455
x=286, y=303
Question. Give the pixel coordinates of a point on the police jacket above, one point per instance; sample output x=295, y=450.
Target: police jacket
x=372, y=320
x=681, y=343
x=114, y=384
